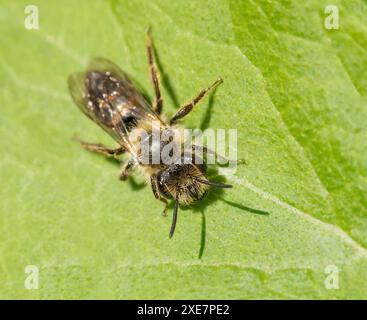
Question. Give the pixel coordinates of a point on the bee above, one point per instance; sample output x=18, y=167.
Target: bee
x=106, y=95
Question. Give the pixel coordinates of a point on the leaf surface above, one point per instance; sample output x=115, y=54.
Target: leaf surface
x=296, y=93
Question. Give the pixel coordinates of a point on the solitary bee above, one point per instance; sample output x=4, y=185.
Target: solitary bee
x=105, y=94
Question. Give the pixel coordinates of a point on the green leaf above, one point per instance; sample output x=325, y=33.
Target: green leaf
x=296, y=92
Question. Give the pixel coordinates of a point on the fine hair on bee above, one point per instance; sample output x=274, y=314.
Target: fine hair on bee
x=106, y=95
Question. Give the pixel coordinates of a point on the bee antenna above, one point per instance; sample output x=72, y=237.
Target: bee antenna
x=174, y=217
x=214, y=183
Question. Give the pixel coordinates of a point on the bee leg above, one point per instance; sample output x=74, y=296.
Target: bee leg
x=154, y=184
x=126, y=170
x=164, y=200
x=100, y=148
x=154, y=73
x=223, y=159
x=187, y=108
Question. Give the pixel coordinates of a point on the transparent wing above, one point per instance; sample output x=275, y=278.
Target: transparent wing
x=105, y=94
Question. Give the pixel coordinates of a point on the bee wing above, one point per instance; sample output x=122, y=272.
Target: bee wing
x=125, y=86
x=105, y=94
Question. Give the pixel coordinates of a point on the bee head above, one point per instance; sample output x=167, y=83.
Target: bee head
x=186, y=180
x=180, y=181
x=186, y=183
